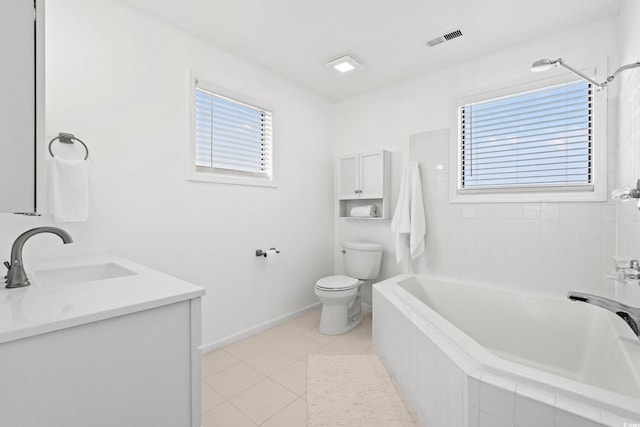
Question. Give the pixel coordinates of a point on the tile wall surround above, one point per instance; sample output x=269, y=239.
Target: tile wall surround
x=629, y=170
x=628, y=214
x=628, y=83
x=549, y=248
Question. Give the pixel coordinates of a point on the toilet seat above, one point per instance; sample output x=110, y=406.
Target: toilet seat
x=337, y=283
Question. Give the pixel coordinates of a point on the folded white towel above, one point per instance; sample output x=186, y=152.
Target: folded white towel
x=68, y=190
x=409, y=222
x=364, y=211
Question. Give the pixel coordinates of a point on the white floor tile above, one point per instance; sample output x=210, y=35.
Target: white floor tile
x=293, y=377
x=348, y=343
x=294, y=415
x=315, y=335
x=247, y=348
x=234, y=380
x=210, y=398
x=226, y=415
x=216, y=361
x=271, y=361
x=275, y=335
x=300, y=346
x=263, y=400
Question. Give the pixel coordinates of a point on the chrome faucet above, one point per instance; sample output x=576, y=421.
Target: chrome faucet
x=16, y=276
x=629, y=314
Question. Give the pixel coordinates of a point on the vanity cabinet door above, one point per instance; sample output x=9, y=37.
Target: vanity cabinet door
x=17, y=106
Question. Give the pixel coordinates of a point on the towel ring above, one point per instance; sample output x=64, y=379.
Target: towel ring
x=68, y=138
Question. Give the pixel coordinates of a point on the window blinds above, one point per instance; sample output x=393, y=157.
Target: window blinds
x=539, y=138
x=231, y=135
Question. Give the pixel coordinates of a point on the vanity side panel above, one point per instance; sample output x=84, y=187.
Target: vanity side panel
x=196, y=362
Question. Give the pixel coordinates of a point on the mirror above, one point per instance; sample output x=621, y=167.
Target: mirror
x=17, y=106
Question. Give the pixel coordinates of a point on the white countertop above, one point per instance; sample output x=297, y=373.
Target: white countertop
x=42, y=307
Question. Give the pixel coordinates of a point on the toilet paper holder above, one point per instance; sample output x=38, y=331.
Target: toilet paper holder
x=260, y=252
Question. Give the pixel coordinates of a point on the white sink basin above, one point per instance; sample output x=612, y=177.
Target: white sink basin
x=84, y=273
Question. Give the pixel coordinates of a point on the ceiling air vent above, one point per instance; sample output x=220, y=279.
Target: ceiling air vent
x=443, y=38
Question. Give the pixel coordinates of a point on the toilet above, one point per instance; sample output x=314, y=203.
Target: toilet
x=340, y=295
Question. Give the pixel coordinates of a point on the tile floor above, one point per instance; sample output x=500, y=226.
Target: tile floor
x=261, y=380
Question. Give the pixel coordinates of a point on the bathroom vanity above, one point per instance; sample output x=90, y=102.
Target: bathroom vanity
x=100, y=341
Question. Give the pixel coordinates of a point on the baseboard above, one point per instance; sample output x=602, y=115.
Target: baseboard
x=206, y=348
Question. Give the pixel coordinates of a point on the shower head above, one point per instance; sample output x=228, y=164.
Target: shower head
x=544, y=64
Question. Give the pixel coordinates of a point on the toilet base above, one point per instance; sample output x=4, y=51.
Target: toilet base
x=340, y=319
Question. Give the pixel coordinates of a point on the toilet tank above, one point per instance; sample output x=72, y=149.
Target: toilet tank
x=362, y=259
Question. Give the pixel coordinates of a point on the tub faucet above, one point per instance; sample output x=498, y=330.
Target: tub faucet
x=16, y=276
x=629, y=314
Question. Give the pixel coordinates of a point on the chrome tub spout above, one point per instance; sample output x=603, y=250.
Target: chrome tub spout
x=629, y=314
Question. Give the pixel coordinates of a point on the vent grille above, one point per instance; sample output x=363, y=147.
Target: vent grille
x=453, y=35
x=443, y=38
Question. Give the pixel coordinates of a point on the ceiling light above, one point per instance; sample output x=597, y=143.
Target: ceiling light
x=344, y=63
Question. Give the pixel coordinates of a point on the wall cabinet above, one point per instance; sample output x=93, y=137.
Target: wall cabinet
x=363, y=179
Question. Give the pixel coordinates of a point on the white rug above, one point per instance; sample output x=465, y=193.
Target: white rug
x=352, y=391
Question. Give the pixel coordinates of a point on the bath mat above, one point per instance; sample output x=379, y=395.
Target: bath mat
x=352, y=391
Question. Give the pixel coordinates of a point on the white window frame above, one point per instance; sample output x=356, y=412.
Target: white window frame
x=597, y=193
x=223, y=176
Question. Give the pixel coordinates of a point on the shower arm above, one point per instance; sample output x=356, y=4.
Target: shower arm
x=599, y=86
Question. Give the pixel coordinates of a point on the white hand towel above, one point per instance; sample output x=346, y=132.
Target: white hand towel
x=68, y=190
x=409, y=222
x=364, y=211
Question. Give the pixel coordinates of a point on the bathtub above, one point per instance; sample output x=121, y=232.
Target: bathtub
x=466, y=355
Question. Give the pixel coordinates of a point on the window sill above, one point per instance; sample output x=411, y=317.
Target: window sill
x=219, y=178
x=529, y=197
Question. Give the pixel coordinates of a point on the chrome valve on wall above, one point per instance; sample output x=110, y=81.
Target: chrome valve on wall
x=626, y=194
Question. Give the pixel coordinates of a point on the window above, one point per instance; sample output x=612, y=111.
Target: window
x=231, y=138
x=531, y=141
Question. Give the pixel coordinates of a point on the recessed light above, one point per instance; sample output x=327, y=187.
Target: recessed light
x=344, y=63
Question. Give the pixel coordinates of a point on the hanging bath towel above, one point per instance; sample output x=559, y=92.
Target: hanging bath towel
x=68, y=190
x=409, y=222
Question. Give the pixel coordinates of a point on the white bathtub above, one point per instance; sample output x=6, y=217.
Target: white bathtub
x=478, y=356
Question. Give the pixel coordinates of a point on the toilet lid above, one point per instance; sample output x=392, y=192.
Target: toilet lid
x=335, y=283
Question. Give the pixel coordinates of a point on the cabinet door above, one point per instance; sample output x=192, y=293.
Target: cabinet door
x=348, y=177
x=372, y=175
x=17, y=106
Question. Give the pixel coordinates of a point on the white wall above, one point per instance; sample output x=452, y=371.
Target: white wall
x=118, y=80
x=548, y=248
